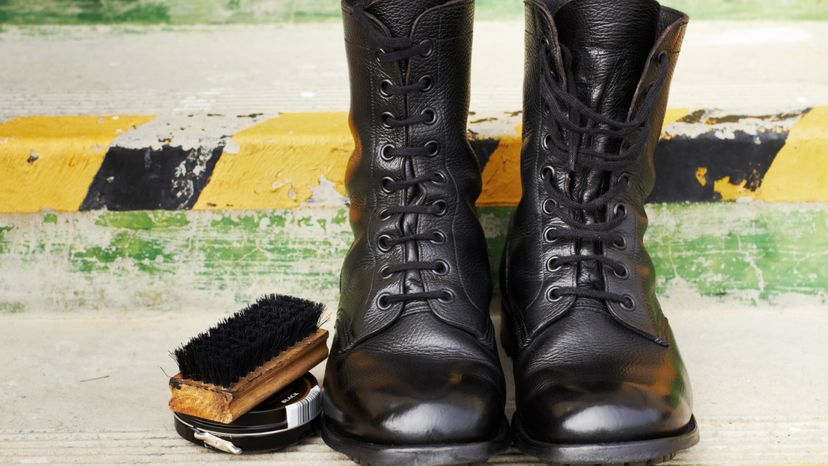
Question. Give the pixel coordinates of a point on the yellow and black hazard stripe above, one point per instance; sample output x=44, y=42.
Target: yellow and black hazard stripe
x=299, y=159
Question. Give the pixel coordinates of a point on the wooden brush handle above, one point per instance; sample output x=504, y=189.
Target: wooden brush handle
x=226, y=404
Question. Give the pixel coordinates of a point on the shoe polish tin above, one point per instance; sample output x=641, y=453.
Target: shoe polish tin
x=278, y=422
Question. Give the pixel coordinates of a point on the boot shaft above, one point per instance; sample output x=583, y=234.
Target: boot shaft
x=444, y=30
x=413, y=179
x=614, y=52
x=610, y=68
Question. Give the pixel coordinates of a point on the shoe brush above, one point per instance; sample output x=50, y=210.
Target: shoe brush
x=243, y=360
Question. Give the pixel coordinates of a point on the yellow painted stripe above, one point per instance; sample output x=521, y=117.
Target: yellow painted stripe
x=674, y=114
x=798, y=173
x=501, y=176
x=49, y=162
x=800, y=170
x=280, y=162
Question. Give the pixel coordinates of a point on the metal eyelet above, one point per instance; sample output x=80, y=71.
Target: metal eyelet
x=627, y=304
x=386, y=182
x=431, y=115
x=441, y=268
x=625, y=273
x=385, y=273
x=384, y=214
x=382, y=302
x=548, y=169
x=551, y=294
x=620, y=243
x=385, y=119
x=427, y=83
x=620, y=210
x=547, y=234
x=549, y=266
x=433, y=147
x=439, y=178
x=448, y=297
x=384, y=85
x=624, y=178
x=439, y=237
x=546, y=142
x=429, y=48
x=547, y=206
x=383, y=242
x=384, y=152
x=661, y=57
x=380, y=53
x=442, y=205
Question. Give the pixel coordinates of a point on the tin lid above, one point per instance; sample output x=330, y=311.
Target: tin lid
x=279, y=421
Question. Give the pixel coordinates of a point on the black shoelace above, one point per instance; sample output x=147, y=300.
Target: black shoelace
x=577, y=123
x=397, y=49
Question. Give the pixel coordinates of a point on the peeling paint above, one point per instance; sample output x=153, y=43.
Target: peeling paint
x=325, y=195
x=755, y=253
x=800, y=172
x=167, y=178
x=189, y=132
x=701, y=176
x=724, y=125
x=281, y=162
x=258, y=161
x=69, y=150
x=731, y=190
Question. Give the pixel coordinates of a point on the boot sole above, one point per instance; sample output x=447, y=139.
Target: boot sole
x=627, y=453
x=377, y=454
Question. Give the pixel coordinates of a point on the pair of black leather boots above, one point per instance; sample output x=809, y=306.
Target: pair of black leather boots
x=414, y=375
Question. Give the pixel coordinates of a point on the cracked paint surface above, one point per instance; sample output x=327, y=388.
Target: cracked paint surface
x=70, y=150
x=219, y=162
x=280, y=162
x=751, y=252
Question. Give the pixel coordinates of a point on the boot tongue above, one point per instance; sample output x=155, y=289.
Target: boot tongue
x=399, y=15
x=609, y=46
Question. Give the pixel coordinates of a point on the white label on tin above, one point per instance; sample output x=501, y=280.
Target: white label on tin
x=304, y=411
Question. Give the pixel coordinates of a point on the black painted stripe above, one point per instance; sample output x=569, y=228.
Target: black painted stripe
x=743, y=158
x=170, y=178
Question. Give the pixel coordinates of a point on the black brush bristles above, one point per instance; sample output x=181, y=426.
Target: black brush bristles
x=246, y=340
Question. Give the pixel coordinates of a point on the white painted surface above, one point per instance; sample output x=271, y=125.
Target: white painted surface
x=245, y=69
x=189, y=131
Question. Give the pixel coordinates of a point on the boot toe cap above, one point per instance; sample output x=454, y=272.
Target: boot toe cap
x=590, y=414
x=440, y=405
x=588, y=380
x=387, y=391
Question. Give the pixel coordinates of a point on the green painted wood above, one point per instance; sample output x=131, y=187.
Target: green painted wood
x=753, y=252
x=28, y=12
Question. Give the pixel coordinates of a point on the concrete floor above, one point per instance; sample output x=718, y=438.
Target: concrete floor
x=91, y=387
x=234, y=70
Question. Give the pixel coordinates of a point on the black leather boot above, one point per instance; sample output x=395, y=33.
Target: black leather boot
x=598, y=375
x=413, y=376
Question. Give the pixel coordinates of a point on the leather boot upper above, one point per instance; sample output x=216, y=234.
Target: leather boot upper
x=413, y=359
x=595, y=359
